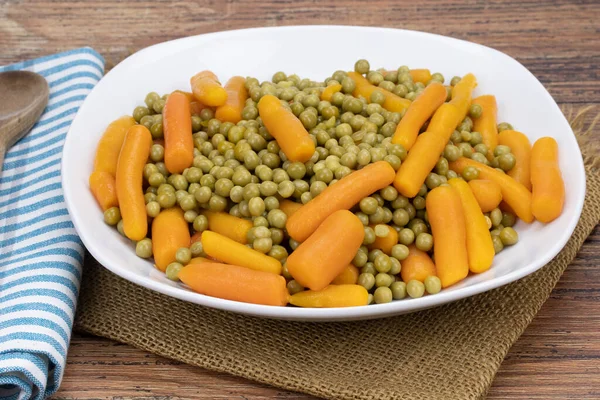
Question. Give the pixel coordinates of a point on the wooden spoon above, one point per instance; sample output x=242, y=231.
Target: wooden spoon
x=23, y=97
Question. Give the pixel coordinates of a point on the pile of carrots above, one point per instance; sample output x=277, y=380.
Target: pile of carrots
x=326, y=232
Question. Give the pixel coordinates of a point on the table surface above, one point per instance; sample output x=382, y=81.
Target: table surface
x=558, y=356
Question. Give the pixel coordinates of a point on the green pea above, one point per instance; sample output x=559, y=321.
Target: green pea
x=382, y=263
x=217, y=203
x=501, y=149
x=172, y=271
x=481, y=148
x=148, y=197
x=369, y=236
x=294, y=287
x=112, y=216
x=498, y=245
x=406, y=236
x=496, y=217
x=368, y=205
x=256, y=206
x=400, y=217
x=140, y=112
x=143, y=248
x=348, y=85
x=382, y=295
x=362, y=66
x=366, y=280
x=158, y=106
x=433, y=284
x=383, y=280
x=415, y=288
x=504, y=126
x=263, y=245
x=277, y=218
x=360, y=259
x=183, y=255
x=203, y=195
x=506, y=162
x=368, y=268
x=508, y=236
x=424, y=241
x=480, y=158
x=398, y=290
x=153, y=209
x=470, y=173
x=419, y=202
x=452, y=153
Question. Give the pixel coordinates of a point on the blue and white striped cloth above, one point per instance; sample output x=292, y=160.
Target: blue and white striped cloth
x=40, y=252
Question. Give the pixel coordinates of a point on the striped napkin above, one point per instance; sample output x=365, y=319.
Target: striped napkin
x=40, y=252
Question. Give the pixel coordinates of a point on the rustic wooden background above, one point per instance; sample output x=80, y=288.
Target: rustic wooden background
x=559, y=41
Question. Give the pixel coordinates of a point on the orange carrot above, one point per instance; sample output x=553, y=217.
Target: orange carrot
x=103, y=187
x=109, y=146
x=447, y=221
x=228, y=225
x=332, y=296
x=289, y=207
x=231, y=252
x=325, y=254
x=231, y=111
x=286, y=128
x=514, y=193
x=520, y=147
x=365, y=89
x=417, y=113
x=487, y=123
x=421, y=75
x=462, y=94
x=233, y=282
x=487, y=193
x=342, y=195
x=129, y=175
x=426, y=151
x=418, y=265
x=480, y=248
x=348, y=276
x=200, y=260
x=546, y=180
x=170, y=232
x=207, y=89
x=329, y=91
x=188, y=95
x=196, y=107
x=385, y=243
x=177, y=126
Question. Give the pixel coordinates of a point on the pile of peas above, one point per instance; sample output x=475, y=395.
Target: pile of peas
x=240, y=169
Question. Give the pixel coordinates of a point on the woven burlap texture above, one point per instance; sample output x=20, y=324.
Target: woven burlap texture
x=449, y=352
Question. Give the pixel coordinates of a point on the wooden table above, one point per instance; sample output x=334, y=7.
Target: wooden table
x=559, y=354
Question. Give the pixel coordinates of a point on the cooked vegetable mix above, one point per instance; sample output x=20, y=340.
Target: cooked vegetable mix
x=369, y=187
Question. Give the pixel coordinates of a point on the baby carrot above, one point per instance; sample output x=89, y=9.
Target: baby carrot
x=289, y=207
x=420, y=75
x=342, y=195
x=170, y=232
x=325, y=254
x=177, y=126
x=487, y=123
x=365, y=89
x=546, y=180
x=196, y=107
x=418, y=265
x=103, y=187
x=207, y=89
x=462, y=94
x=188, y=95
x=129, y=175
x=232, y=282
x=385, y=243
x=332, y=296
x=329, y=91
x=109, y=147
x=513, y=193
x=231, y=111
x=417, y=113
x=228, y=225
x=520, y=147
x=195, y=238
x=480, y=248
x=426, y=151
x=447, y=221
x=286, y=128
x=487, y=193
x=231, y=252
x=348, y=276
x=200, y=260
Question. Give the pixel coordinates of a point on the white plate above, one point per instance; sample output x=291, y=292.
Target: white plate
x=315, y=52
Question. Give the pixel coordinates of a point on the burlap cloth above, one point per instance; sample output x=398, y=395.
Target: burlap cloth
x=450, y=352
